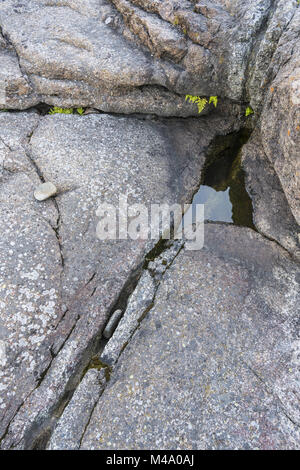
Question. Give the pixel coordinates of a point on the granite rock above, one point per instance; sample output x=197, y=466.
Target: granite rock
x=72, y=423
x=215, y=363
x=272, y=214
x=67, y=282
x=128, y=56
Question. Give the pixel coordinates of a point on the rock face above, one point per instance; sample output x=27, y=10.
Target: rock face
x=280, y=121
x=58, y=280
x=205, y=352
x=271, y=212
x=127, y=56
x=144, y=56
x=214, y=364
x=75, y=417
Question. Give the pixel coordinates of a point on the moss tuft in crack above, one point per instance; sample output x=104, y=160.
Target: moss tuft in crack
x=96, y=363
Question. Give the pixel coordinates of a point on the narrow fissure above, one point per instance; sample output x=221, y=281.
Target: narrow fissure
x=40, y=434
x=44, y=433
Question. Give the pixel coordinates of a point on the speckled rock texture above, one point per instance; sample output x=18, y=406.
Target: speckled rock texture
x=215, y=363
x=144, y=56
x=72, y=424
x=138, y=305
x=59, y=282
x=206, y=352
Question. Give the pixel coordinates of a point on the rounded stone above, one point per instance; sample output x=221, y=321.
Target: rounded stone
x=44, y=191
x=112, y=324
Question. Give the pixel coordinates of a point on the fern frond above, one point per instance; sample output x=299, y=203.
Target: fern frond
x=249, y=111
x=191, y=98
x=57, y=110
x=201, y=103
x=214, y=100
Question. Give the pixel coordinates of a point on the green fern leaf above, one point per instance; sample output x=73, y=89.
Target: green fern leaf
x=214, y=100
x=57, y=110
x=249, y=111
x=201, y=103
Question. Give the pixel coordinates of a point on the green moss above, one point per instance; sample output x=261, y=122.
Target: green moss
x=95, y=363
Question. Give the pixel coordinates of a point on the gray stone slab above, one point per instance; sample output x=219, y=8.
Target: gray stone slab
x=215, y=363
x=280, y=127
x=30, y=268
x=90, y=159
x=272, y=214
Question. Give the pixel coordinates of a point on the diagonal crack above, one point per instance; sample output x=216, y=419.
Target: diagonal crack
x=269, y=391
x=39, y=172
x=109, y=369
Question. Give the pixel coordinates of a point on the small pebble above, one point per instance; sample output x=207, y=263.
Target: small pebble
x=44, y=191
x=112, y=324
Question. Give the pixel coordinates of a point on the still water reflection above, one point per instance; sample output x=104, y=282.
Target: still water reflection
x=222, y=189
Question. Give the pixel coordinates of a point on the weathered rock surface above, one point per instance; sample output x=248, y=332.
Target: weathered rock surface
x=143, y=56
x=138, y=305
x=280, y=120
x=215, y=363
x=271, y=212
x=30, y=268
x=72, y=424
x=66, y=282
x=130, y=56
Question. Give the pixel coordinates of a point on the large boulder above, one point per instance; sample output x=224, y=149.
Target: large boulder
x=272, y=214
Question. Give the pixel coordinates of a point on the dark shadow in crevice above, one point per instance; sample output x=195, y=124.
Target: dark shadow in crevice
x=222, y=186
